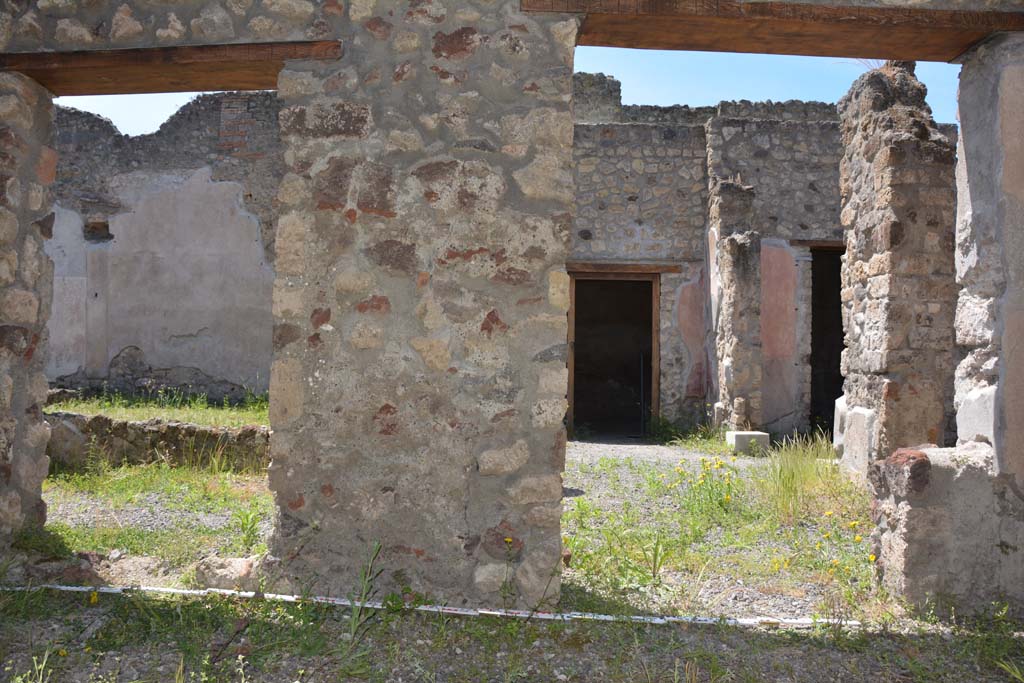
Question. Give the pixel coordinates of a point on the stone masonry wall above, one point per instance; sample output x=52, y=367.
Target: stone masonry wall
x=898, y=281
x=952, y=519
x=188, y=210
x=419, y=379
x=793, y=166
x=37, y=25
x=77, y=439
x=642, y=177
x=27, y=167
x=736, y=305
x=235, y=134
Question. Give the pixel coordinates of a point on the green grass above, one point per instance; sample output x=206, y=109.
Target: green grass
x=704, y=438
x=171, y=405
x=217, y=638
x=243, y=499
x=789, y=519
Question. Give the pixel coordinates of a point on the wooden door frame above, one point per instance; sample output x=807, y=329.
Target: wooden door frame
x=651, y=275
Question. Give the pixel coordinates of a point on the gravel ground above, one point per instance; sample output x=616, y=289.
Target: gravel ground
x=711, y=595
x=120, y=640
x=150, y=513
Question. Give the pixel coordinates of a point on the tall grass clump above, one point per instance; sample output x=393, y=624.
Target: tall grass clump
x=799, y=475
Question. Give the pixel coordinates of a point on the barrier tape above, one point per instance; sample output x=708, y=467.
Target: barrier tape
x=764, y=622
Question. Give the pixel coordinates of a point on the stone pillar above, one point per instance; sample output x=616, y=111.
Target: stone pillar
x=27, y=167
x=898, y=286
x=418, y=388
x=736, y=301
x=990, y=251
x=952, y=519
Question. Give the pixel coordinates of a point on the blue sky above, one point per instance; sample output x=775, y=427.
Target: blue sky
x=647, y=76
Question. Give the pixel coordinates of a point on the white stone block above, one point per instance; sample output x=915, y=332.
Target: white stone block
x=976, y=418
x=747, y=442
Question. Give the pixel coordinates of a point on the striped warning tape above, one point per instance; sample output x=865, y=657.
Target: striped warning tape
x=769, y=622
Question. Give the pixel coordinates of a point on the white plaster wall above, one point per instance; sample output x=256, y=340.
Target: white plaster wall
x=185, y=279
x=67, y=347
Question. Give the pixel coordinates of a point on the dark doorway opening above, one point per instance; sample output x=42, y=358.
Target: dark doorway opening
x=826, y=335
x=612, y=356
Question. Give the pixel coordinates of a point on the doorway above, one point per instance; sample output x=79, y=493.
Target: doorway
x=826, y=335
x=613, y=360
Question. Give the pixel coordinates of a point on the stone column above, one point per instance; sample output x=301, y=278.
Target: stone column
x=736, y=301
x=898, y=286
x=418, y=388
x=27, y=167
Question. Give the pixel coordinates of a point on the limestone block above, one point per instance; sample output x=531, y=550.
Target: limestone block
x=976, y=417
x=490, y=577
x=859, y=441
x=839, y=426
x=499, y=461
x=749, y=443
x=537, y=489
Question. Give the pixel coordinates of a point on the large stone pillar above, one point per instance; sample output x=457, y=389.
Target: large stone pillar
x=734, y=249
x=898, y=284
x=27, y=166
x=990, y=251
x=418, y=389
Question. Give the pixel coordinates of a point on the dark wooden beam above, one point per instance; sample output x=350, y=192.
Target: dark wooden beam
x=252, y=66
x=782, y=27
x=620, y=267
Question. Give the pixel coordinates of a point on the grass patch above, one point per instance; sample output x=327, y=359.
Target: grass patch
x=172, y=405
x=224, y=639
x=704, y=438
x=790, y=518
x=182, y=488
x=199, y=511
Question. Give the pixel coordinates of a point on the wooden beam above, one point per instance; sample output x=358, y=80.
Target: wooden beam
x=623, y=268
x=253, y=66
x=830, y=245
x=782, y=27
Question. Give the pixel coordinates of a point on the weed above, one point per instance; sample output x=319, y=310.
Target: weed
x=1012, y=670
x=40, y=671
x=248, y=522
x=704, y=438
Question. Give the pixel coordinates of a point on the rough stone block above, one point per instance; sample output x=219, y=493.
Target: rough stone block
x=747, y=442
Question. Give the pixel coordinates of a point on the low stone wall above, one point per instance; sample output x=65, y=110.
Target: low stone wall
x=76, y=438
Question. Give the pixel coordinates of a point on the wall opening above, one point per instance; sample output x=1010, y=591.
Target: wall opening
x=826, y=335
x=613, y=356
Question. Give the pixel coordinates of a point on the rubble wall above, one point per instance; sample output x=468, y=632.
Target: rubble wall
x=418, y=389
x=39, y=25
x=177, y=292
x=898, y=279
x=27, y=169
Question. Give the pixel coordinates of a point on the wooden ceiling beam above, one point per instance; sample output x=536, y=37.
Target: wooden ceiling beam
x=252, y=66
x=782, y=27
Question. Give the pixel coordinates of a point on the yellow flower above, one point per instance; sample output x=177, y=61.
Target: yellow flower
x=853, y=524
x=817, y=546
x=871, y=557
x=727, y=498
x=508, y=540
x=828, y=513
x=826, y=534
x=62, y=652
x=94, y=597
x=858, y=538
x=835, y=563
x=733, y=458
